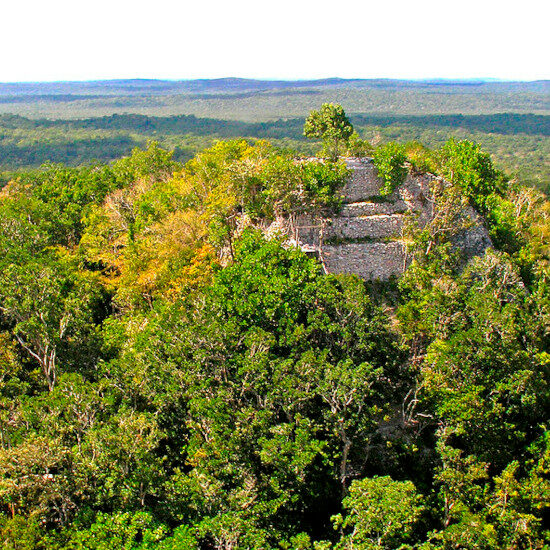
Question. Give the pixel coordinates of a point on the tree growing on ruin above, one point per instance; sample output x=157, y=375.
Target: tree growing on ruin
x=332, y=126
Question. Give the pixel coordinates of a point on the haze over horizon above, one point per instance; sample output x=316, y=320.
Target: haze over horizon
x=276, y=79
x=64, y=41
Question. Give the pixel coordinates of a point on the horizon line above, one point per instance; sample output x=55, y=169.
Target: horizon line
x=289, y=80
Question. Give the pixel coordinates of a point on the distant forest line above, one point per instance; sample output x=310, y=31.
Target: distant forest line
x=81, y=122
x=503, y=123
x=519, y=143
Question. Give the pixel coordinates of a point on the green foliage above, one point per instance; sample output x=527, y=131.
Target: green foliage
x=389, y=161
x=152, y=162
x=332, y=126
x=174, y=376
x=380, y=513
x=422, y=159
x=50, y=306
x=122, y=530
x=322, y=182
x=358, y=147
x=130, y=531
x=19, y=533
x=466, y=165
x=518, y=142
x=288, y=392
x=56, y=198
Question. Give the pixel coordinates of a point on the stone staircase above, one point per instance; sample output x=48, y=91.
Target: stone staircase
x=365, y=238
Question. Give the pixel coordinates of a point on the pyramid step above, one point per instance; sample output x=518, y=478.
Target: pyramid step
x=367, y=208
x=367, y=260
x=373, y=227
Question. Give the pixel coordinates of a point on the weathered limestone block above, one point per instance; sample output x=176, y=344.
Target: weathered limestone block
x=365, y=227
x=363, y=182
x=367, y=260
x=354, y=209
x=474, y=240
x=415, y=191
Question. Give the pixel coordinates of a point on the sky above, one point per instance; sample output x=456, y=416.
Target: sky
x=48, y=40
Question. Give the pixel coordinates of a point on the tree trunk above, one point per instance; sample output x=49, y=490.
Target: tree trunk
x=344, y=461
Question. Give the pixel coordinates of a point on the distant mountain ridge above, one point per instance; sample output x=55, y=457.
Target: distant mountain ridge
x=232, y=84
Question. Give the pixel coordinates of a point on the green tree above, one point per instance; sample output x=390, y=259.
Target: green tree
x=51, y=308
x=20, y=533
x=332, y=126
x=380, y=514
x=125, y=531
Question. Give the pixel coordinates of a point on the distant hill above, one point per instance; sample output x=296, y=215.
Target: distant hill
x=230, y=85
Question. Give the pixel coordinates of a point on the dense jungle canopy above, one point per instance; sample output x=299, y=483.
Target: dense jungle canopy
x=173, y=376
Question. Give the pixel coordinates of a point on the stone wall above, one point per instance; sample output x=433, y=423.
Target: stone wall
x=365, y=237
x=368, y=260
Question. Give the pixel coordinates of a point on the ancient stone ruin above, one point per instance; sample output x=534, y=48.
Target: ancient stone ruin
x=366, y=236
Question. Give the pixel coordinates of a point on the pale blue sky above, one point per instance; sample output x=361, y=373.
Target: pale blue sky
x=290, y=39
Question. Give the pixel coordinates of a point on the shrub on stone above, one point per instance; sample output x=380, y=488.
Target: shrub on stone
x=389, y=160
